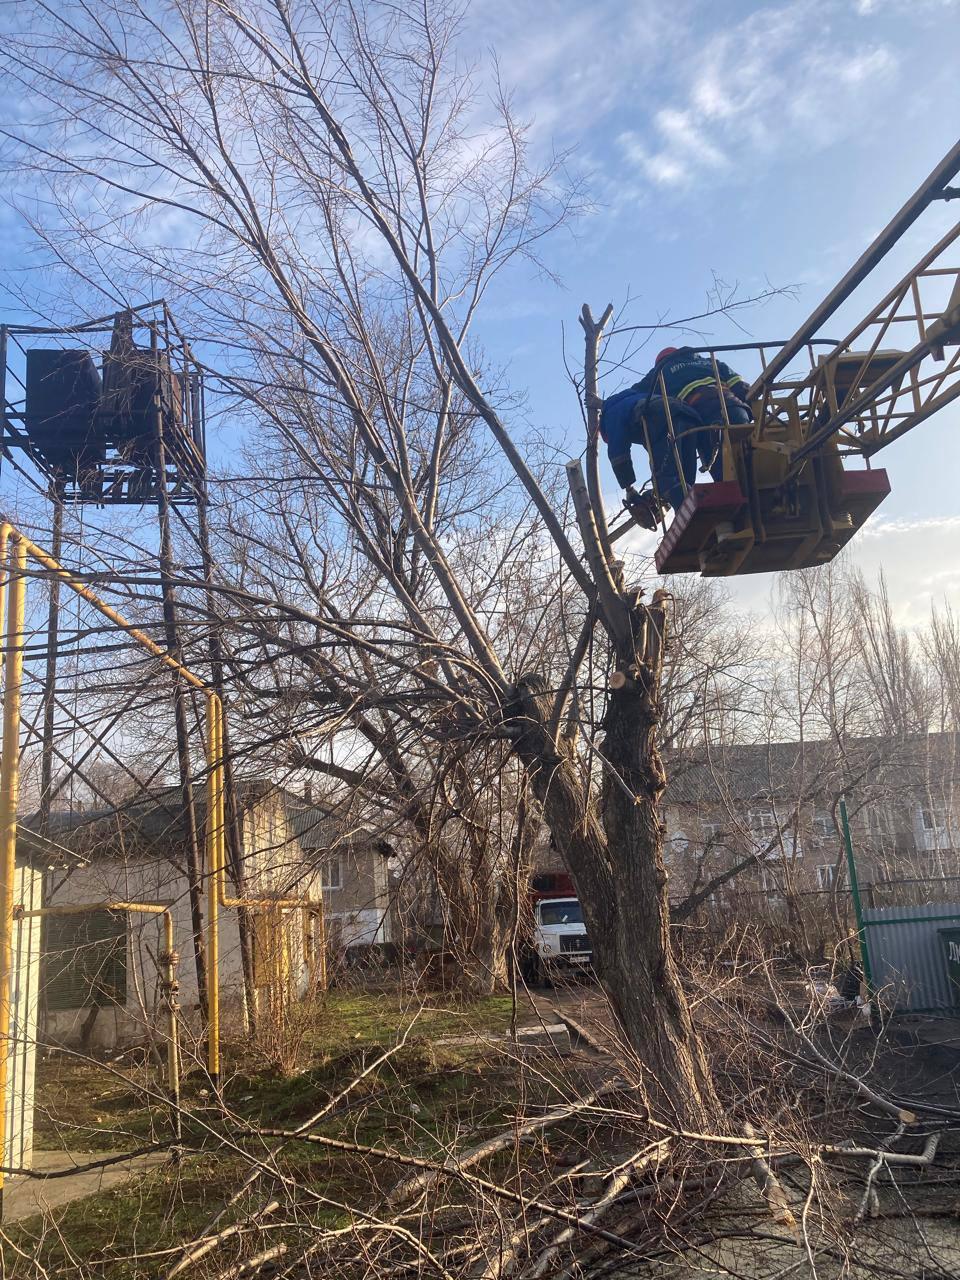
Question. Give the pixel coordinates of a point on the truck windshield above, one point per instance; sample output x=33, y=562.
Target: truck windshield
x=561, y=912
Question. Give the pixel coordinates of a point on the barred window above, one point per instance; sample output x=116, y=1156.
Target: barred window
x=84, y=959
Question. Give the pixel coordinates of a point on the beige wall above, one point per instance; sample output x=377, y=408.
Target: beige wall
x=22, y=1049
x=889, y=839
x=356, y=913
x=143, y=880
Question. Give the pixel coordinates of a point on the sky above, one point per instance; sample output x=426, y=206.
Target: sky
x=765, y=144
x=761, y=144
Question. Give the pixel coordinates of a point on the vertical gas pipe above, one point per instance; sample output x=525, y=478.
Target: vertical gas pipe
x=214, y=870
x=169, y=986
x=12, y=565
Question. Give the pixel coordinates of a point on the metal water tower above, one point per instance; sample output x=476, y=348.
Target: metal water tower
x=111, y=413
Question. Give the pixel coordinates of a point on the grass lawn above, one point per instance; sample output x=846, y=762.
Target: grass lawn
x=426, y=1096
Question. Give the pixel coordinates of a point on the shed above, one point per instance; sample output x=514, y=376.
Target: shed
x=907, y=956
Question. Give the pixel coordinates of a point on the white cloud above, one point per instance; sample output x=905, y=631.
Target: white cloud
x=658, y=166
x=866, y=8
x=782, y=78
x=680, y=151
x=571, y=64
x=681, y=132
x=940, y=579
x=899, y=549
x=880, y=526
x=682, y=91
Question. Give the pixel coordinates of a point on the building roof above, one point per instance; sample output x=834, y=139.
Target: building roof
x=314, y=827
x=35, y=849
x=154, y=822
x=321, y=829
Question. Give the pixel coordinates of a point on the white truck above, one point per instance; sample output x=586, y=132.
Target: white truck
x=559, y=940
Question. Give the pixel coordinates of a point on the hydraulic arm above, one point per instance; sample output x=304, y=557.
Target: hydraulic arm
x=787, y=497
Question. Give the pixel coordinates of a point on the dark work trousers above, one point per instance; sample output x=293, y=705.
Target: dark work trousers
x=663, y=462
x=709, y=409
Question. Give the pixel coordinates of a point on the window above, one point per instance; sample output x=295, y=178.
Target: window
x=768, y=882
x=826, y=874
x=932, y=818
x=932, y=826
x=769, y=836
x=331, y=874
x=763, y=827
x=568, y=912
x=677, y=845
x=763, y=822
x=823, y=827
x=85, y=960
x=711, y=833
x=713, y=839
x=876, y=821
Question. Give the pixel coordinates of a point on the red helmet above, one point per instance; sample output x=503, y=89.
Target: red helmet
x=667, y=351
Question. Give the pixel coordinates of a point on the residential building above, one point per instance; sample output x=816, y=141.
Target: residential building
x=777, y=804
x=354, y=878
x=101, y=983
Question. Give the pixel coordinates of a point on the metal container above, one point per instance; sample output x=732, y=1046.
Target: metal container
x=950, y=945
x=907, y=957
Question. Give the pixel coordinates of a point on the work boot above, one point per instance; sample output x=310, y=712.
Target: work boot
x=643, y=508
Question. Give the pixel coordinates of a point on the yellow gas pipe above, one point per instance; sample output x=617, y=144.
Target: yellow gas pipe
x=217, y=883
x=9, y=777
x=12, y=595
x=15, y=548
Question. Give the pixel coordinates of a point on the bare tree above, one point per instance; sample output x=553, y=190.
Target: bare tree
x=900, y=693
x=332, y=189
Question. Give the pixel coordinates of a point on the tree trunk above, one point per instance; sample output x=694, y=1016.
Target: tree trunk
x=619, y=871
x=479, y=937
x=483, y=969
x=635, y=951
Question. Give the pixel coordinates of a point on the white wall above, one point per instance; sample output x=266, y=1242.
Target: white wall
x=149, y=881
x=157, y=880
x=22, y=1052
x=357, y=928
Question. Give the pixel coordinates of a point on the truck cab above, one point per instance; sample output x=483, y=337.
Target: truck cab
x=559, y=938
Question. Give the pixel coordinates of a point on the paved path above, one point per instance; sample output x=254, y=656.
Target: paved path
x=25, y=1196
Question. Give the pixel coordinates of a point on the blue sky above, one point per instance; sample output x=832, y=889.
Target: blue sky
x=763, y=143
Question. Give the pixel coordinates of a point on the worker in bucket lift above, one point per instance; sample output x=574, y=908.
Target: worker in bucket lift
x=694, y=400
x=692, y=380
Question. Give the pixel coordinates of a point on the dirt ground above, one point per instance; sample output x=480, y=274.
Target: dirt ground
x=461, y=1078
x=912, y=1229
